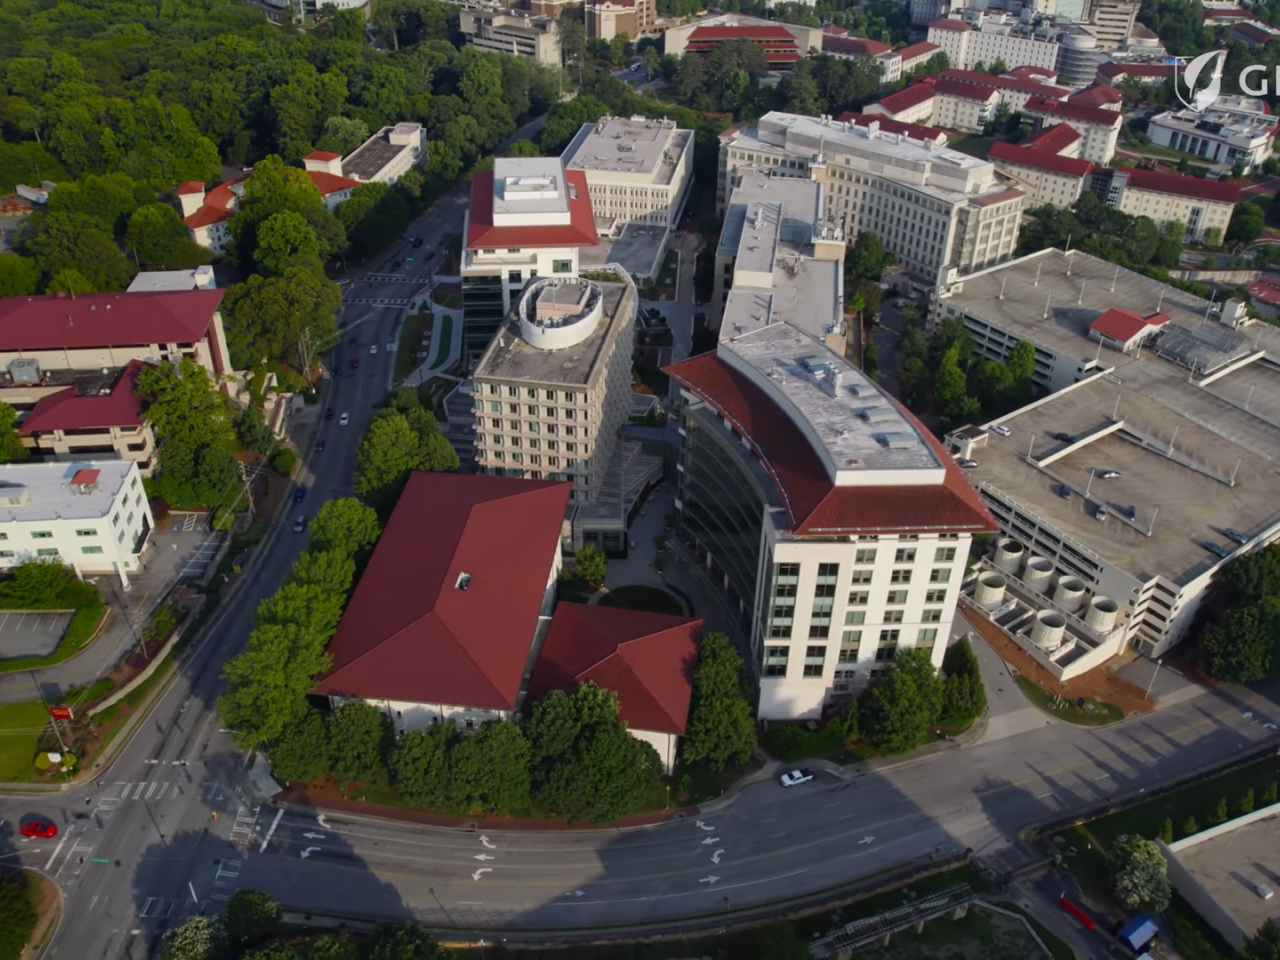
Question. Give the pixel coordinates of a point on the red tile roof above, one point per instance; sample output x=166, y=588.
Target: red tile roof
x=67, y=410
x=1039, y=159
x=1227, y=13
x=409, y=633
x=814, y=506
x=580, y=231
x=1033, y=87
x=924, y=48
x=1265, y=289
x=1123, y=325
x=1136, y=69
x=187, y=187
x=917, y=131
x=854, y=46
x=55, y=321
x=647, y=659
x=221, y=202
x=832, y=30
x=1184, y=185
x=741, y=33
x=328, y=183
x=1055, y=139
x=906, y=98
x=1099, y=95
x=82, y=478
x=967, y=91
x=1028, y=72
x=948, y=24
x=322, y=155
x=1073, y=111
x=1256, y=32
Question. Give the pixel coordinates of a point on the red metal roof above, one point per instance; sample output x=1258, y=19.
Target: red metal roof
x=1184, y=185
x=948, y=24
x=833, y=31
x=1227, y=13
x=409, y=633
x=814, y=506
x=1123, y=325
x=1055, y=139
x=1265, y=289
x=1033, y=87
x=221, y=202
x=968, y=91
x=580, y=231
x=67, y=410
x=854, y=46
x=1074, y=111
x=328, y=183
x=906, y=98
x=1028, y=72
x=647, y=659
x=742, y=33
x=924, y=48
x=1256, y=32
x=889, y=125
x=1039, y=159
x=56, y=321
x=1098, y=95
x=187, y=187
x=322, y=155
x=83, y=478
x=1113, y=70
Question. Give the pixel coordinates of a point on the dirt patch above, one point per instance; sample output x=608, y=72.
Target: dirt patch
x=979, y=935
x=1098, y=684
x=50, y=908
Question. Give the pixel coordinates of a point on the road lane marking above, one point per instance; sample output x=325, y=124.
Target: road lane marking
x=683, y=893
x=56, y=850
x=271, y=833
x=137, y=793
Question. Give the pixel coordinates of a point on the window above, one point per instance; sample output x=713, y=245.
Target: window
x=551, y=394
x=848, y=656
x=495, y=406
x=513, y=424
x=926, y=637
x=90, y=549
x=531, y=427
x=893, y=616
x=89, y=532
x=41, y=535
x=861, y=576
x=120, y=535
x=813, y=661
x=932, y=616
x=865, y=556
x=6, y=554
x=784, y=590
x=513, y=276
x=900, y=576
x=780, y=629
x=941, y=575
x=775, y=661
x=855, y=617
x=561, y=266
x=889, y=637
x=851, y=638
x=826, y=590
x=858, y=598
x=905, y=555
x=935, y=596
x=944, y=554
x=828, y=572
x=47, y=552
x=4, y=536
x=819, y=631
x=134, y=484
x=513, y=391
x=896, y=597
x=531, y=409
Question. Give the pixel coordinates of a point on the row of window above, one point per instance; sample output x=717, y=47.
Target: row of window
x=531, y=442
x=777, y=659
x=531, y=393
x=495, y=406
x=50, y=552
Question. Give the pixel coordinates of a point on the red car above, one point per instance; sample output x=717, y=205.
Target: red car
x=355, y=362
x=41, y=829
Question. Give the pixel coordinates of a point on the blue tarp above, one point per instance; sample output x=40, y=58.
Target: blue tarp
x=1138, y=931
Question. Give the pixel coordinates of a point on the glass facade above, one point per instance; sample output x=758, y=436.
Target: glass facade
x=721, y=516
x=482, y=312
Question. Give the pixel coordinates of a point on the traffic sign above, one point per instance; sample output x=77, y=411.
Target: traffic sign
x=60, y=713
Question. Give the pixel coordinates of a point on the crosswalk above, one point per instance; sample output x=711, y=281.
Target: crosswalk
x=383, y=301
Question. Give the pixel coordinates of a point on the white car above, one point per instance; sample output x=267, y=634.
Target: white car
x=1001, y=429
x=344, y=419
x=300, y=524
x=391, y=348
x=795, y=777
x=373, y=348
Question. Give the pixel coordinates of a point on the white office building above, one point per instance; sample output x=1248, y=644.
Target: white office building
x=1235, y=129
x=383, y=158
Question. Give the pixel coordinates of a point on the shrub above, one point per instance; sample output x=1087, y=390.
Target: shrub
x=42, y=761
x=1246, y=802
x=1219, y=812
x=1270, y=792
x=283, y=460
x=1165, y=832
x=1189, y=826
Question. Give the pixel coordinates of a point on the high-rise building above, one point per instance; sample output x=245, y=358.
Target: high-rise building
x=506, y=31
x=1112, y=21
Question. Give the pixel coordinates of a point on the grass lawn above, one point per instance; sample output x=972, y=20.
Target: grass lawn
x=451, y=300
x=21, y=725
x=410, y=345
x=441, y=337
x=83, y=627
x=974, y=146
x=640, y=597
x=1103, y=713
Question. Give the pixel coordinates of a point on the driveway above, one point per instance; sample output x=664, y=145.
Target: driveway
x=30, y=633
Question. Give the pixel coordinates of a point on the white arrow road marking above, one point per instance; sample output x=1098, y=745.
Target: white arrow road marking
x=703, y=826
x=190, y=886
x=710, y=840
x=479, y=873
x=712, y=878
x=576, y=893
x=314, y=836
x=309, y=851
x=865, y=840
x=484, y=856
x=272, y=832
x=715, y=857
x=488, y=845
x=323, y=823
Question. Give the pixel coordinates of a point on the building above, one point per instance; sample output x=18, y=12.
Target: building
x=915, y=131
x=830, y=522
x=911, y=104
x=1014, y=91
x=1171, y=398
x=1118, y=71
x=384, y=158
x=1069, y=50
x=42, y=336
x=92, y=516
x=645, y=658
x=963, y=106
x=1044, y=174
x=608, y=18
x=782, y=43
x=1265, y=296
x=502, y=31
x=1112, y=21
x=930, y=206
x=208, y=214
x=845, y=47
x=1099, y=129
x=638, y=170
x=1233, y=130
x=554, y=385
x=528, y=218
x=168, y=281
x=912, y=58
x=97, y=416
x=1254, y=34
x=1225, y=14
x=1102, y=96
x=1166, y=198
x=463, y=626
x=306, y=11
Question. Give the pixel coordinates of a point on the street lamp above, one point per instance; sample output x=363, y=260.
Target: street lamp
x=1155, y=673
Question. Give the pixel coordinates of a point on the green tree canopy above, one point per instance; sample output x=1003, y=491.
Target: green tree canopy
x=74, y=241
x=158, y=237
x=360, y=738
x=302, y=752
x=1263, y=945
x=895, y=710
x=285, y=239
x=394, y=445
x=1248, y=220
x=1240, y=647
x=19, y=276
x=721, y=731
x=199, y=938
x=419, y=765
x=964, y=696
x=406, y=943
x=867, y=258
x=268, y=683
x=249, y=916
x=19, y=911
x=11, y=446
x=1139, y=873
x=489, y=770
x=591, y=564
x=342, y=135
x=290, y=317
x=345, y=525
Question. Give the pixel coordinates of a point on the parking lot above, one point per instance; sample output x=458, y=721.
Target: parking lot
x=30, y=634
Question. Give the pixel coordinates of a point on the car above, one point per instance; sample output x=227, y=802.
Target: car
x=328, y=414
x=40, y=829
x=1217, y=549
x=344, y=419
x=352, y=342
x=299, y=493
x=1064, y=437
x=337, y=371
x=1131, y=513
x=355, y=363
x=300, y=524
x=1236, y=535
x=373, y=349
x=391, y=347
x=416, y=242
x=1001, y=429
x=900, y=303
x=795, y=778
x=395, y=265
x=967, y=464
x=1064, y=491
x=1109, y=475
x=319, y=446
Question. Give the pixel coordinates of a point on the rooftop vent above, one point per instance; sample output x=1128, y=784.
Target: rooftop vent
x=899, y=441
x=14, y=495
x=876, y=414
x=464, y=581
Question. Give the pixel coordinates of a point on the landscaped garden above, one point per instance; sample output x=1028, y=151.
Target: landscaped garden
x=1085, y=711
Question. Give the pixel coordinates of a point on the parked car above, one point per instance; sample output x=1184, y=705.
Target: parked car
x=319, y=446
x=40, y=829
x=328, y=414
x=344, y=419
x=1236, y=535
x=355, y=363
x=1064, y=437
x=1064, y=491
x=1001, y=429
x=299, y=493
x=416, y=242
x=300, y=524
x=373, y=349
x=967, y=464
x=1217, y=549
x=1109, y=475
x=795, y=778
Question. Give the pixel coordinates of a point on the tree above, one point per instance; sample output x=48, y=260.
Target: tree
x=419, y=764
x=345, y=525
x=896, y=708
x=268, y=683
x=387, y=453
x=158, y=238
x=40, y=584
x=1241, y=646
x=69, y=281
x=1264, y=945
x=19, y=911
x=406, y=943
x=1247, y=223
x=66, y=241
x=285, y=239
x=11, y=446
x=591, y=563
x=720, y=732
x=1189, y=826
x=867, y=258
x=19, y=276
x=330, y=947
x=274, y=950
x=1270, y=793
x=1022, y=362
x=964, y=696
x=1165, y=833
x=250, y=915
x=360, y=740
x=342, y=135
x=200, y=938
x=302, y=751
x=1213, y=237
x=490, y=770
x=950, y=390
x=288, y=317
x=1219, y=812
x=1246, y=802
x=1139, y=874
